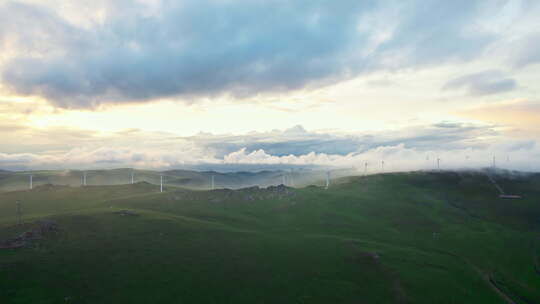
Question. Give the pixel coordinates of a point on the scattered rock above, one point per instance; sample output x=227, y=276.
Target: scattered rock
x=40, y=229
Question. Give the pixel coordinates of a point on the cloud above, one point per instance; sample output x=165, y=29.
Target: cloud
x=298, y=141
x=522, y=116
x=528, y=51
x=205, y=48
x=514, y=155
x=483, y=83
x=274, y=149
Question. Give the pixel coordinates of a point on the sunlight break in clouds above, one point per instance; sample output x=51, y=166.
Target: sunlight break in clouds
x=268, y=84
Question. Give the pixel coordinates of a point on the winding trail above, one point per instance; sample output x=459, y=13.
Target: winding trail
x=501, y=191
x=488, y=278
x=536, y=261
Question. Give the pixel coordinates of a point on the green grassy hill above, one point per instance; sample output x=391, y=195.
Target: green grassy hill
x=390, y=238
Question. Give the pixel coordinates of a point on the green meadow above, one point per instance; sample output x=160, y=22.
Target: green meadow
x=419, y=237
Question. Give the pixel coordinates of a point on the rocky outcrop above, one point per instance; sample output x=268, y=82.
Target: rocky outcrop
x=39, y=230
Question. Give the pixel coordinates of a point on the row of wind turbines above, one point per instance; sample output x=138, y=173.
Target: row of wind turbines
x=287, y=179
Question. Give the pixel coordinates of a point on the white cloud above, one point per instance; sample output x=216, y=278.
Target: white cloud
x=399, y=155
x=81, y=55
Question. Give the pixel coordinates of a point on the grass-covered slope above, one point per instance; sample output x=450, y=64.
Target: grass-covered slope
x=391, y=238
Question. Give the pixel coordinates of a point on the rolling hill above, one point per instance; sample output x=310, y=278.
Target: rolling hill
x=200, y=180
x=418, y=237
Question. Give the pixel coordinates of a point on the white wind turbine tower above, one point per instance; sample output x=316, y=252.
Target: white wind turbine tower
x=382, y=166
x=365, y=168
x=31, y=182
x=132, y=177
x=213, y=182
x=161, y=183
x=327, y=179
x=84, y=178
x=438, y=164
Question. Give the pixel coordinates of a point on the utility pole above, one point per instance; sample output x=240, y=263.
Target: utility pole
x=19, y=213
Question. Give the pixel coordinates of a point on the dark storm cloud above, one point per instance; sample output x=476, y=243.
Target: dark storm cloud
x=207, y=48
x=484, y=83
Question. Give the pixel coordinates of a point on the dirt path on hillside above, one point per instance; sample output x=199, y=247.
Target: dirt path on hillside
x=536, y=261
x=492, y=180
x=488, y=279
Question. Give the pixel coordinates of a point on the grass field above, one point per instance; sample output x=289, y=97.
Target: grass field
x=421, y=237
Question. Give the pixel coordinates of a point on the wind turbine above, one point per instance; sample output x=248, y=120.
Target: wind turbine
x=84, y=178
x=382, y=166
x=327, y=179
x=161, y=183
x=31, y=182
x=132, y=177
x=438, y=163
x=365, y=168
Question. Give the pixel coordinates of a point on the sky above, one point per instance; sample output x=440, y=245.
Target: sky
x=253, y=84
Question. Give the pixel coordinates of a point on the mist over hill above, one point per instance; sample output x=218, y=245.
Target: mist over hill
x=190, y=179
